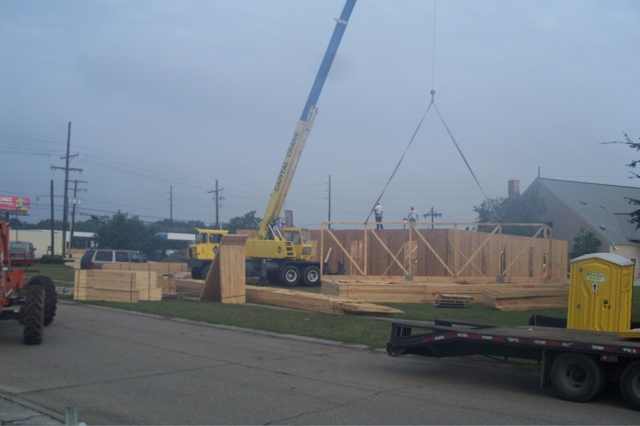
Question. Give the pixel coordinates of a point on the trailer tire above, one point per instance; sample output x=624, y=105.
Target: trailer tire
x=577, y=377
x=290, y=275
x=32, y=315
x=630, y=385
x=50, y=297
x=311, y=276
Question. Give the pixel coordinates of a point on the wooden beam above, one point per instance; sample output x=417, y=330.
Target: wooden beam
x=226, y=279
x=313, y=302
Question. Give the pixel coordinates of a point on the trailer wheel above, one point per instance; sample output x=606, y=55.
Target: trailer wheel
x=50, y=297
x=290, y=276
x=32, y=315
x=630, y=385
x=311, y=276
x=577, y=377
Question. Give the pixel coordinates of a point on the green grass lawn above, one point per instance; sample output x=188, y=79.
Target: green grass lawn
x=358, y=329
x=62, y=275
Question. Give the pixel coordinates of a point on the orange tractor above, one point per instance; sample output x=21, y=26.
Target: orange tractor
x=33, y=305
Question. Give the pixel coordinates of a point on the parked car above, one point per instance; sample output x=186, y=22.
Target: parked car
x=94, y=257
x=19, y=250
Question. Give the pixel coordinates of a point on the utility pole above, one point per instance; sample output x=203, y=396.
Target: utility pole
x=67, y=169
x=73, y=211
x=329, y=201
x=53, y=238
x=433, y=214
x=217, y=198
x=171, y=205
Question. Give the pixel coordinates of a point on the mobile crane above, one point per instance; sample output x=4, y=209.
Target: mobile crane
x=281, y=254
x=37, y=301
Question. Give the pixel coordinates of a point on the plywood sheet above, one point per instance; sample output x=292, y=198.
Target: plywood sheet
x=226, y=279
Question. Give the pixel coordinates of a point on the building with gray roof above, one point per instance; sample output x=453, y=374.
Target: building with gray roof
x=602, y=209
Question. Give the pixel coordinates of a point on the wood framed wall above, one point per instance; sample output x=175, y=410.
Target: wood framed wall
x=452, y=250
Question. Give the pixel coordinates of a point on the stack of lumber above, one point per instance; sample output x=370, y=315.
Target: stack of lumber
x=166, y=271
x=116, y=286
x=388, y=279
x=453, y=300
x=313, y=301
x=161, y=268
x=294, y=299
x=408, y=292
x=225, y=282
x=525, y=299
x=188, y=285
x=76, y=255
x=168, y=282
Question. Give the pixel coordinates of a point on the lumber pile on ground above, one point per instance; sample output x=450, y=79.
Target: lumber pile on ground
x=293, y=299
x=168, y=282
x=413, y=279
x=525, y=299
x=116, y=286
x=312, y=301
x=167, y=272
x=453, y=300
x=188, y=286
x=408, y=292
x=161, y=268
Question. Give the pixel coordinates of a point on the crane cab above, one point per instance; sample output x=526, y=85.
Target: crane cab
x=207, y=243
x=301, y=241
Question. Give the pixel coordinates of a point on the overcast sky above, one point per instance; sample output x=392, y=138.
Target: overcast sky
x=164, y=93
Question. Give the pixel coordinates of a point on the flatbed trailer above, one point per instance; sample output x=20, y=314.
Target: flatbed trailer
x=577, y=363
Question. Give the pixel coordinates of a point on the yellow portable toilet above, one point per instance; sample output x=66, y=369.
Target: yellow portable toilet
x=600, y=293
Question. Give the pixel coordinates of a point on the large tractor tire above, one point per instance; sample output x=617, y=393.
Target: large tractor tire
x=50, y=297
x=32, y=315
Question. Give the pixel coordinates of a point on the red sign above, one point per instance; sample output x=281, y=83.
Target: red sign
x=14, y=204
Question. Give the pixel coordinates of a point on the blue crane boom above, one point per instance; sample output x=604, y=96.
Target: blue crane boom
x=303, y=127
x=327, y=61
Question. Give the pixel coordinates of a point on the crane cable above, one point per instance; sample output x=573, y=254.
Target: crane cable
x=401, y=158
x=432, y=103
x=461, y=154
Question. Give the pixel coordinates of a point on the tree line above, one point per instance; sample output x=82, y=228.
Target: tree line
x=128, y=232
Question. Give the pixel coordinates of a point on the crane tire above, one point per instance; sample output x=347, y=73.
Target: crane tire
x=577, y=377
x=630, y=385
x=196, y=273
x=32, y=315
x=290, y=276
x=311, y=276
x=205, y=272
x=50, y=297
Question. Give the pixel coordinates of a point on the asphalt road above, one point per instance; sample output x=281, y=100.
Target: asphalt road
x=123, y=368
